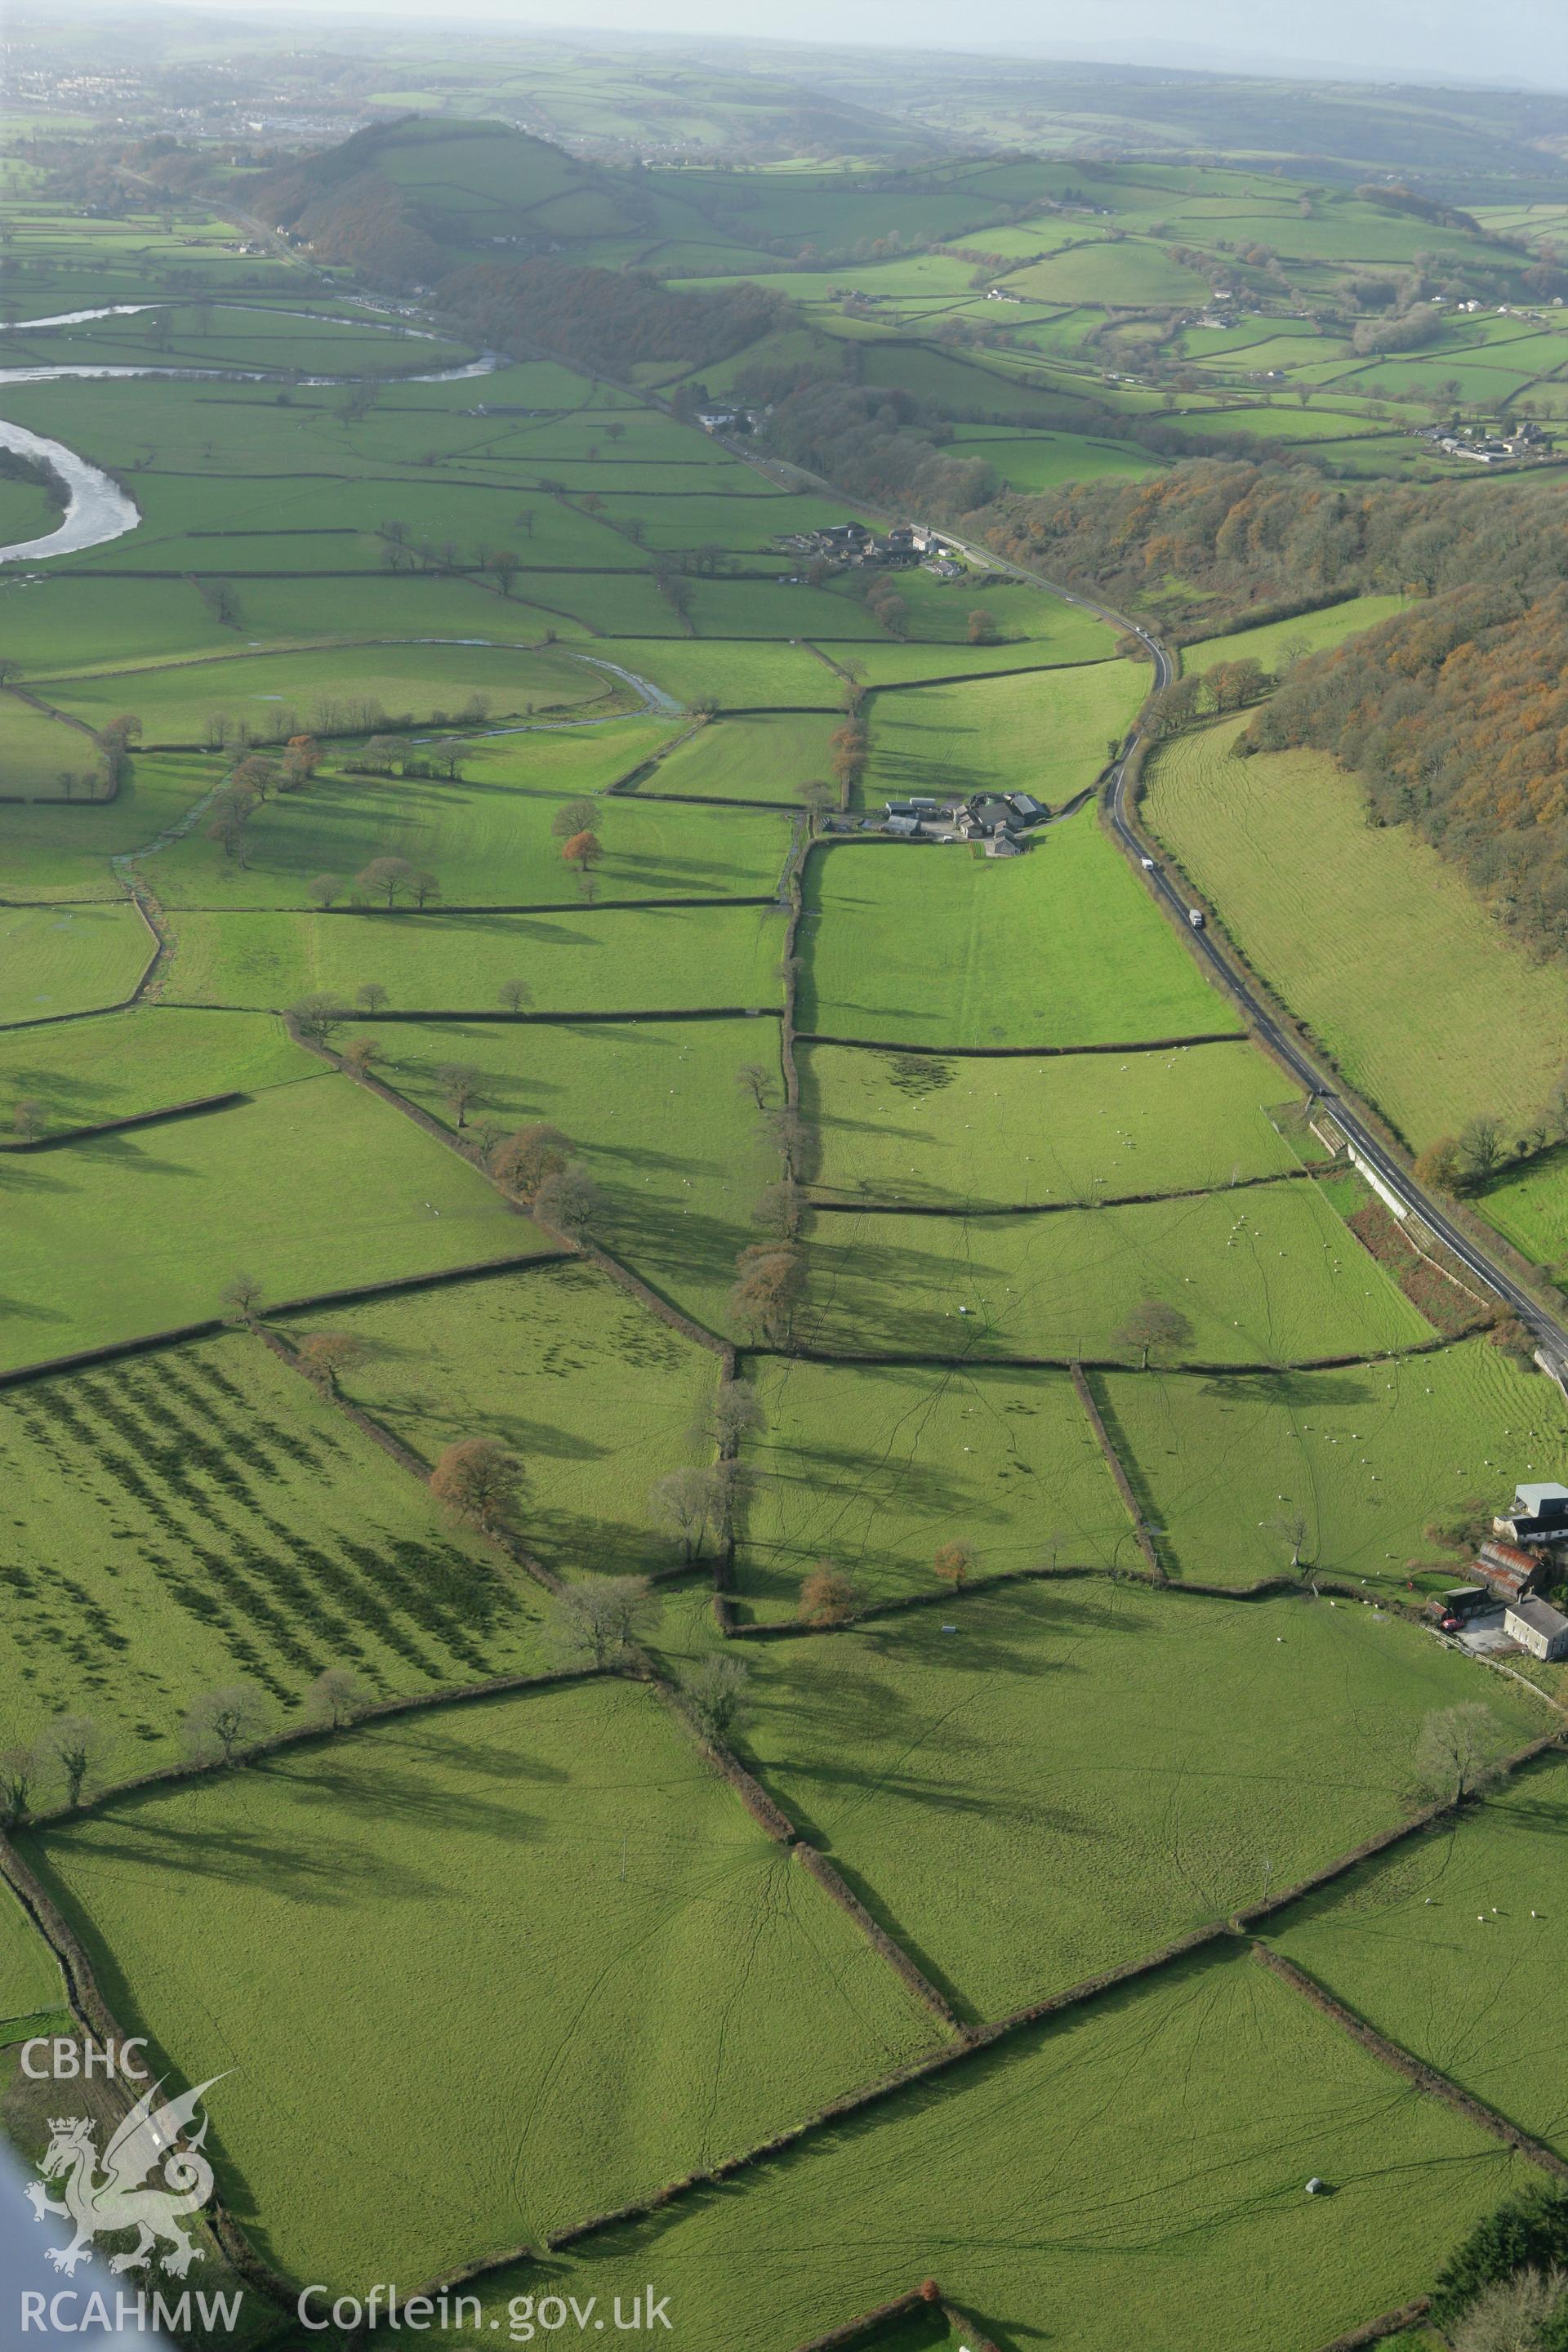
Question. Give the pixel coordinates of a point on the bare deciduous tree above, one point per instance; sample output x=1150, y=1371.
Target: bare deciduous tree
x=715, y=1691
x=1456, y=1755
x=240, y=1298
x=222, y=1721
x=337, y=1697
x=1153, y=1324
x=598, y=1619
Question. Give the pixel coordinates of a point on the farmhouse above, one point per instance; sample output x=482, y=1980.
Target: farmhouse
x=1537, y=1627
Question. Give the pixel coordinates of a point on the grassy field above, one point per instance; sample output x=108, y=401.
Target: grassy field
x=68, y=959
x=1366, y=1458
x=756, y=759
x=932, y=946
x=488, y=841
x=328, y=690
x=597, y=1398
x=605, y=960
x=672, y=1985
x=1270, y=1275
x=654, y=1111
x=926, y=1128
x=1426, y=1006
x=79, y=1073
x=1454, y=1947
x=1276, y=644
x=1075, y=1773
x=1047, y=733
x=30, y=1980
x=870, y=1467
x=200, y=1515
x=138, y=1232
x=1157, y=2233
x=41, y=757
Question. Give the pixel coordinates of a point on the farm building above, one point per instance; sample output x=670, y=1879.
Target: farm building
x=1538, y=1514
x=1509, y=1571
x=1537, y=1627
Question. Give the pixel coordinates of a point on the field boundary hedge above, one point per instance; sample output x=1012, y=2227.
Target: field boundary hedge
x=1414, y=2069
x=856, y=2330
x=841, y=1208
x=458, y=1012
x=834, y=1883
x=1121, y=1482
x=1195, y=1367
x=1372, y=2331
x=499, y=907
x=190, y=1109
x=1017, y=1052
x=179, y=1335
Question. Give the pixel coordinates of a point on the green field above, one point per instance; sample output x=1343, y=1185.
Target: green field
x=652, y=1108
x=81, y=1073
x=329, y=692
x=56, y=959
x=755, y=758
x=602, y=959
x=1364, y=1457
x=30, y=1981
x=531, y=1956
x=124, y=1235
x=187, y=1518
x=1047, y=733
x=42, y=756
x=1269, y=1275
x=1427, y=1007
x=1075, y=1773
x=1411, y=1943
x=488, y=841
x=595, y=1399
x=924, y=946
x=1278, y=643
x=1190, y=2216
x=1010, y=1133
x=870, y=1467
x=564, y=1862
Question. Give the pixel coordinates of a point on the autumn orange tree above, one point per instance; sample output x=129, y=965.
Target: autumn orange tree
x=477, y=1480
x=826, y=1596
x=954, y=1563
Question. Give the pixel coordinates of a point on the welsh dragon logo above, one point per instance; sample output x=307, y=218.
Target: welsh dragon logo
x=100, y=2197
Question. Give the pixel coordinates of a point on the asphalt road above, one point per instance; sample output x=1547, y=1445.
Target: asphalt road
x=1397, y=1178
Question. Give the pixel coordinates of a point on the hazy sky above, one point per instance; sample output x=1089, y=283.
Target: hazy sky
x=1521, y=44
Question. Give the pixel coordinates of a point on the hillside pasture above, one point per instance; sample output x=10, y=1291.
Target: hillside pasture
x=653, y=1109
x=44, y=758
x=597, y=1398
x=1364, y=1458
x=667, y=960
x=923, y=1127
x=1191, y=2221
x=1408, y=1942
x=1426, y=1006
x=759, y=758
x=124, y=1235
x=919, y=945
x=1076, y=1772
x=1270, y=1275
x=870, y=1467
x=202, y=1515
x=1047, y=733
x=487, y=841
x=56, y=959
x=565, y=1859
x=342, y=691
x=81, y=1073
